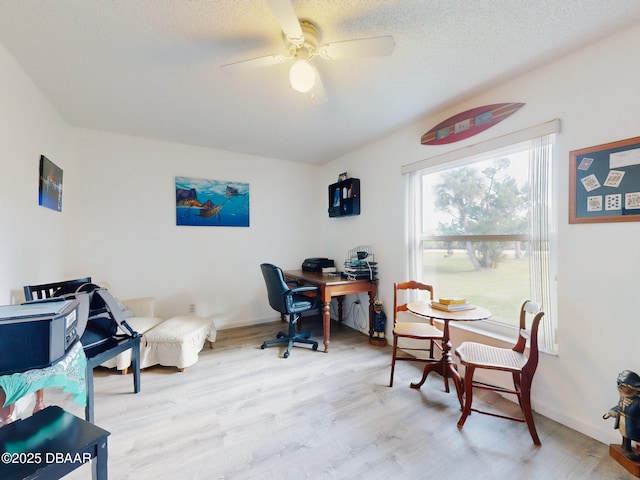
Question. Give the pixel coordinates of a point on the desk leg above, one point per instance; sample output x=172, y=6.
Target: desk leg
x=326, y=323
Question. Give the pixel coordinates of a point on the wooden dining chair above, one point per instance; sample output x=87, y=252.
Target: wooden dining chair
x=522, y=366
x=424, y=331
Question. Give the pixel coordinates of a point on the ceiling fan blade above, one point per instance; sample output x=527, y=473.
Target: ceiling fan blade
x=365, y=47
x=287, y=19
x=253, y=63
x=318, y=93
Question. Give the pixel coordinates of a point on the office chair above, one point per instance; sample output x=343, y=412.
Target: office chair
x=522, y=368
x=291, y=301
x=414, y=330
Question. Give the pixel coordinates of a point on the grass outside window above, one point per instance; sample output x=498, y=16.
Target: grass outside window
x=501, y=290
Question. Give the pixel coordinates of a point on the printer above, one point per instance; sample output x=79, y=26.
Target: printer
x=317, y=264
x=37, y=334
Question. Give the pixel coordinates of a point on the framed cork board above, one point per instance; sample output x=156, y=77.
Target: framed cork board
x=604, y=183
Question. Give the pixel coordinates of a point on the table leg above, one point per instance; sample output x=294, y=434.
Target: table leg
x=326, y=323
x=39, y=401
x=6, y=413
x=438, y=367
x=101, y=461
x=445, y=367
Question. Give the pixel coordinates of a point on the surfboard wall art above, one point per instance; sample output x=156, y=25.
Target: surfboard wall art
x=469, y=123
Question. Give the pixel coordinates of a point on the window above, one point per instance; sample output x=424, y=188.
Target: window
x=481, y=228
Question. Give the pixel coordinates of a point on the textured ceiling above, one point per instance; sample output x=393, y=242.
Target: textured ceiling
x=151, y=68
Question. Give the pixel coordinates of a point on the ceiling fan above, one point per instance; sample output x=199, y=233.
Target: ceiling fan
x=302, y=39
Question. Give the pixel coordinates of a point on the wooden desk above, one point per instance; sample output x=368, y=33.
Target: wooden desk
x=334, y=286
x=446, y=367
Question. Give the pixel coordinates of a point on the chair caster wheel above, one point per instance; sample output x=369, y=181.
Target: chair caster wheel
x=314, y=347
x=263, y=346
x=286, y=354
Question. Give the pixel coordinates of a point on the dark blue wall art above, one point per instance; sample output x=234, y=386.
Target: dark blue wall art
x=50, y=185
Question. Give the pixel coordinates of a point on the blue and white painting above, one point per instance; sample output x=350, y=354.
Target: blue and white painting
x=211, y=203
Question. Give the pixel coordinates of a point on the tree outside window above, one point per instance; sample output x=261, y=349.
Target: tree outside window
x=476, y=234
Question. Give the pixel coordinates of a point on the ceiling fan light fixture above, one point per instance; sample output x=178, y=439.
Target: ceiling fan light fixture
x=301, y=76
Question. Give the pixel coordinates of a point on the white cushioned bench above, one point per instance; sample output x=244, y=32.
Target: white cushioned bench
x=142, y=321
x=177, y=341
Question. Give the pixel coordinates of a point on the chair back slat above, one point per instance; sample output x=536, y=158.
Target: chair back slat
x=48, y=290
x=411, y=285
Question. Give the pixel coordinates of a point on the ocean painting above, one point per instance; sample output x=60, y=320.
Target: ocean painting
x=211, y=203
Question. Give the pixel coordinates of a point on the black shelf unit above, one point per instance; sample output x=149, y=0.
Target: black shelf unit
x=344, y=198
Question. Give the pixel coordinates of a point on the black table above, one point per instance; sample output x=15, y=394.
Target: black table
x=49, y=445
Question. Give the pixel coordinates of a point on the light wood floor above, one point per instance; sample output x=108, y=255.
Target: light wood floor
x=244, y=413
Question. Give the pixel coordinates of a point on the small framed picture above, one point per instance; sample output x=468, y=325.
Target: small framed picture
x=50, y=185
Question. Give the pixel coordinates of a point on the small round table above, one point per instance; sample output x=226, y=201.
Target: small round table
x=446, y=367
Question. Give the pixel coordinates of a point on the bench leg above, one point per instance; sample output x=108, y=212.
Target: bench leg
x=88, y=410
x=135, y=365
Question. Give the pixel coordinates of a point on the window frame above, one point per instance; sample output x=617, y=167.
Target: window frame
x=414, y=238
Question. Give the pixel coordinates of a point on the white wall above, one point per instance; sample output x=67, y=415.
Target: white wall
x=595, y=94
x=130, y=238
x=31, y=237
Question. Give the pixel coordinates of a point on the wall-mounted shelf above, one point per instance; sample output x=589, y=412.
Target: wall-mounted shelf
x=344, y=198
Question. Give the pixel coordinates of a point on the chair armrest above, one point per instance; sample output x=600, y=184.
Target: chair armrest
x=141, y=307
x=302, y=290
